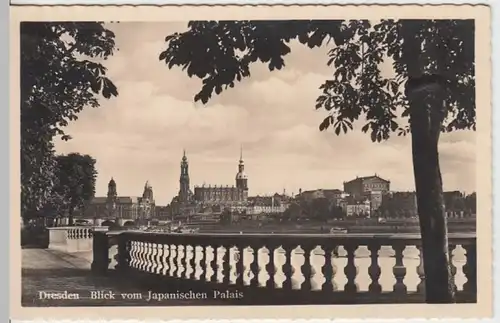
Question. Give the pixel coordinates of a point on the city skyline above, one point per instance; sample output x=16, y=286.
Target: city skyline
x=140, y=135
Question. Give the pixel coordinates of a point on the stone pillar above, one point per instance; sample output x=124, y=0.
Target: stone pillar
x=100, y=253
x=58, y=238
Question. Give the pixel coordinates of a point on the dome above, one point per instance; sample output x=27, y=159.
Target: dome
x=112, y=182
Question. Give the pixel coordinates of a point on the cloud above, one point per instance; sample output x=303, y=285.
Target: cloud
x=140, y=135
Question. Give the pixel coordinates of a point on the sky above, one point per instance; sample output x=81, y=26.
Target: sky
x=140, y=135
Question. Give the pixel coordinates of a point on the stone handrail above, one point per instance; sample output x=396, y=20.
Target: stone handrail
x=72, y=239
x=268, y=267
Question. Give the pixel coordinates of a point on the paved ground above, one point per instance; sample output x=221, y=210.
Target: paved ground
x=48, y=271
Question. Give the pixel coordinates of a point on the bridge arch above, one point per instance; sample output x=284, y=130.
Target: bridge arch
x=129, y=223
x=108, y=223
x=82, y=222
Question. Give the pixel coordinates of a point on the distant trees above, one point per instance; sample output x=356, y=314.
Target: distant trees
x=470, y=203
x=60, y=76
x=75, y=182
x=337, y=212
x=293, y=212
x=320, y=209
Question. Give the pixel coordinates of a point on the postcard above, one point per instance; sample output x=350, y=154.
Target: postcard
x=301, y=161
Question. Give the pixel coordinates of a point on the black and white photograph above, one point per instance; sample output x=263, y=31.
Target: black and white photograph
x=251, y=162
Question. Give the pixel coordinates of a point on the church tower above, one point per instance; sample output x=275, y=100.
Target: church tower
x=112, y=190
x=148, y=192
x=184, y=179
x=112, y=197
x=241, y=177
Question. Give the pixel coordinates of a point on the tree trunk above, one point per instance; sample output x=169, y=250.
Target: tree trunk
x=70, y=216
x=426, y=118
x=425, y=129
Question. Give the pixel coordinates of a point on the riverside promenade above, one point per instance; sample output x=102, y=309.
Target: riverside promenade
x=53, y=271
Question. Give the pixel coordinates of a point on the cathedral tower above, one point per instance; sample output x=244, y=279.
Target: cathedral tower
x=184, y=179
x=241, y=177
x=148, y=192
x=112, y=190
x=112, y=196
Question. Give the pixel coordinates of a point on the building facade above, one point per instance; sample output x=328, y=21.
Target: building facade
x=113, y=206
x=233, y=197
x=275, y=204
x=362, y=209
x=361, y=187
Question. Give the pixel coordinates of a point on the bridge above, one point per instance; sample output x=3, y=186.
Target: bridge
x=454, y=218
x=159, y=269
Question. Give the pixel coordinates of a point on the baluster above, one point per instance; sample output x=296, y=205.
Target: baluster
x=154, y=257
x=399, y=270
x=173, y=255
x=287, y=267
x=421, y=272
x=453, y=268
x=192, y=264
x=149, y=254
x=159, y=258
x=351, y=270
x=186, y=261
x=240, y=267
x=374, y=270
x=254, y=268
x=203, y=264
x=470, y=270
x=306, y=268
x=137, y=255
x=226, y=265
x=177, y=261
x=213, y=264
x=166, y=260
x=271, y=266
x=144, y=260
x=182, y=262
x=133, y=251
x=329, y=270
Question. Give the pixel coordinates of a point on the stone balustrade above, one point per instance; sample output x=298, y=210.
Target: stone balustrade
x=72, y=239
x=285, y=268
